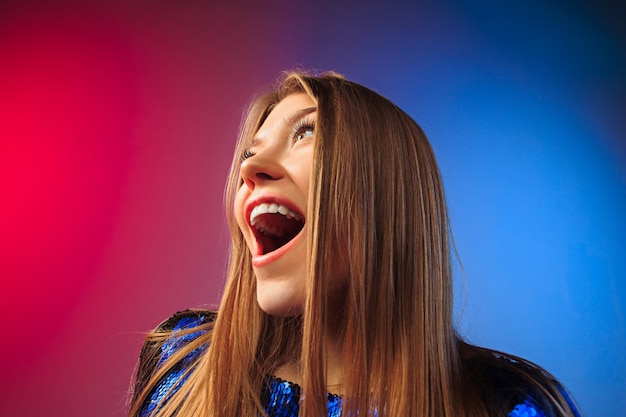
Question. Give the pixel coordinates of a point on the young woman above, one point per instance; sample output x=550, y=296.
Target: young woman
x=339, y=291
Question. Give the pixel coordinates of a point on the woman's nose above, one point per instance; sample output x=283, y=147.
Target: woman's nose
x=259, y=169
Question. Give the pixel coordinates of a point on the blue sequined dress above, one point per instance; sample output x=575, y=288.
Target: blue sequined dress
x=279, y=398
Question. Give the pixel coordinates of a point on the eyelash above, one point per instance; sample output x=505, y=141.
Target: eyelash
x=300, y=127
x=246, y=154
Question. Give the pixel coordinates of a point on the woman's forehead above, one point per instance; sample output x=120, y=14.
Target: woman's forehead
x=286, y=112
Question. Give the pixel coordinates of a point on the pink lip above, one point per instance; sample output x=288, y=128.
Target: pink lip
x=259, y=260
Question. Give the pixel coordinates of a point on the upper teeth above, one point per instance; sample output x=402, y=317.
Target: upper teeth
x=272, y=208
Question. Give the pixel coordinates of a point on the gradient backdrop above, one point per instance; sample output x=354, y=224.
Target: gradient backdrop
x=117, y=123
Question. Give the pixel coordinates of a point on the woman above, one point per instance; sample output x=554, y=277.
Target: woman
x=339, y=280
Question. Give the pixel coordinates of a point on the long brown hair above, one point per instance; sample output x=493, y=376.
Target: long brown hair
x=376, y=201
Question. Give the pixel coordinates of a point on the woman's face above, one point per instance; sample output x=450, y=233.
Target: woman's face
x=271, y=204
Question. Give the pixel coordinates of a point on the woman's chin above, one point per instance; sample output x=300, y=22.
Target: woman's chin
x=279, y=304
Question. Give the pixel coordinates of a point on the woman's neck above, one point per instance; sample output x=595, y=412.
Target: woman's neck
x=291, y=370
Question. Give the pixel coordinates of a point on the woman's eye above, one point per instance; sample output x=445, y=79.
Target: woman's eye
x=305, y=133
x=304, y=128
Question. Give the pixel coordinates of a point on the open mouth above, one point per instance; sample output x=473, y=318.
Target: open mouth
x=274, y=225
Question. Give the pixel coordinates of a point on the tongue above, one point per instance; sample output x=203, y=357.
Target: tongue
x=275, y=230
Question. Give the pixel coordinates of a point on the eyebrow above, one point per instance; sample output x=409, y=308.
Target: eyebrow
x=287, y=121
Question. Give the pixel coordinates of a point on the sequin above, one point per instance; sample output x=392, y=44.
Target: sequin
x=174, y=380
x=282, y=399
x=279, y=398
x=526, y=409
